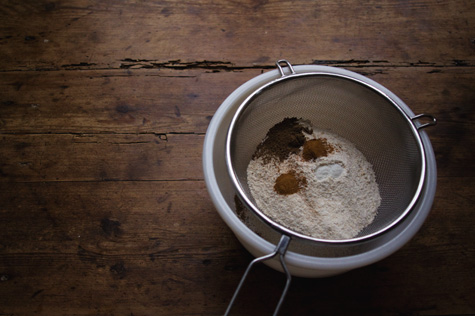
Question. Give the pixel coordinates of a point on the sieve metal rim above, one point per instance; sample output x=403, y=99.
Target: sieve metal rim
x=293, y=75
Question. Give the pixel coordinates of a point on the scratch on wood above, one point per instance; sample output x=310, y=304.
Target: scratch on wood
x=422, y=63
x=36, y=293
x=84, y=139
x=177, y=111
x=458, y=62
x=333, y=62
x=130, y=142
x=78, y=66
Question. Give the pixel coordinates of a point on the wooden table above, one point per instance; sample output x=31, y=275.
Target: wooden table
x=104, y=108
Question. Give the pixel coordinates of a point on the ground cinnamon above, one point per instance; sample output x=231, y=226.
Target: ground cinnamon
x=315, y=148
x=282, y=139
x=289, y=183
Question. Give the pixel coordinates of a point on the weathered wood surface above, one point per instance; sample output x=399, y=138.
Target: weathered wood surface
x=171, y=101
x=149, y=247
x=107, y=34
x=103, y=111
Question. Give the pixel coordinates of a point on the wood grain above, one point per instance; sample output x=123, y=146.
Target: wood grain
x=100, y=157
x=159, y=247
x=104, y=107
x=170, y=101
x=87, y=34
x=130, y=256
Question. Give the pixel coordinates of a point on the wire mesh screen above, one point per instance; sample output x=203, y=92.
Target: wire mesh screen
x=354, y=111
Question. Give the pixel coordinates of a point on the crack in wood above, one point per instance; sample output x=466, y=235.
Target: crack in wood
x=78, y=65
x=339, y=62
x=129, y=63
x=218, y=66
x=36, y=293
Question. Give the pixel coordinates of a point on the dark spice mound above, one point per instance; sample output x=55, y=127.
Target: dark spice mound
x=282, y=139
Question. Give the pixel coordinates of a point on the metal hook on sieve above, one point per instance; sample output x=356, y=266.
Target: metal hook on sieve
x=433, y=120
x=287, y=63
x=280, y=250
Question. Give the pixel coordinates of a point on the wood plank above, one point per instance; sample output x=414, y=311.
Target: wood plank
x=84, y=34
x=100, y=157
x=171, y=101
x=146, y=247
x=137, y=218
x=68, y=143
x=148, y=157
x=121, y=101
x=112, y=247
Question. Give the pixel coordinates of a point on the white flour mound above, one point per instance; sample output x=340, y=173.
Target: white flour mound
x=341, y=196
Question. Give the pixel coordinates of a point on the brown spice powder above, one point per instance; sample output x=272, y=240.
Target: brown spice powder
x=289, y=183
x=282, y=139
x=315, y=148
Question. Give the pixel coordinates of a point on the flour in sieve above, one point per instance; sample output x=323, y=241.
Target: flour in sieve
x=340, y=196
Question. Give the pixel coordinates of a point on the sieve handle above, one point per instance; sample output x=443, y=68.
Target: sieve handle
x=281, y=70
x=280, y=250
x=433, y=120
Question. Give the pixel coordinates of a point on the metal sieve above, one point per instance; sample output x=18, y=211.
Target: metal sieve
x=351, y=108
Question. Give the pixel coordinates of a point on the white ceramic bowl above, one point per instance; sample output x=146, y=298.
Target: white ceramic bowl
x=303, y=260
